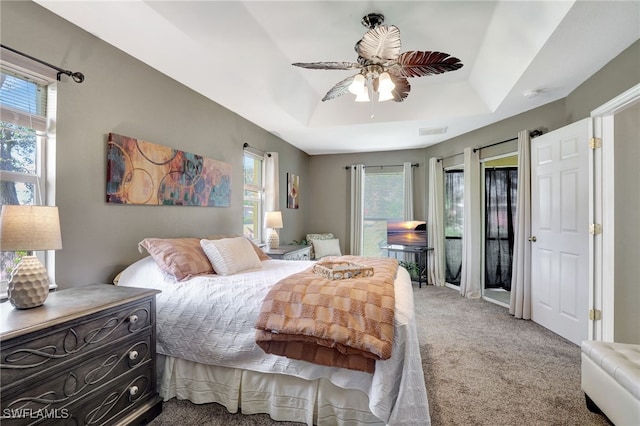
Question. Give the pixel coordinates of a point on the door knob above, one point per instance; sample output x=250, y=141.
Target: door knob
x=533, y=239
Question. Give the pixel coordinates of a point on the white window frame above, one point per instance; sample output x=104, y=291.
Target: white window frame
x=259, y=198
x=390, y=170
x=44, y=177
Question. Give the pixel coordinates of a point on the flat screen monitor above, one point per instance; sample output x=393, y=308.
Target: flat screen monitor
x=407, y=233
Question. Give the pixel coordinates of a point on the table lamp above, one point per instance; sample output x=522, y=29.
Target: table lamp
x=29, y=228
x=273, y=221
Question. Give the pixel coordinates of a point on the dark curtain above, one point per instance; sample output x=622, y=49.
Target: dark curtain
x=501, y=185
x=453, y=224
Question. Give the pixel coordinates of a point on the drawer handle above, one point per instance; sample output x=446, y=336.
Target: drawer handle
x=133, y=390
x=133, y=355
x=133, y=319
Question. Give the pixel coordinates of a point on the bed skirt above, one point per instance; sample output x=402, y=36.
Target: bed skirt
x=284, y=398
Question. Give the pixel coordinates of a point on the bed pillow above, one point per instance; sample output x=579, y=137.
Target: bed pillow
x=179, y=257
x=231, y=255
x=326, y=248
x=261, y=254
x=313, y=237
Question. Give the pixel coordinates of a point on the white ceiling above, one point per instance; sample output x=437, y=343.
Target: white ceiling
x=239, y=54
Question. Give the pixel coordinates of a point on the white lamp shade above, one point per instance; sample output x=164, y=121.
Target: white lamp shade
x=362, y=97
x=385, y=96
x=357, y=85
x=29, y=228
x=273, y=220
x=384, y=83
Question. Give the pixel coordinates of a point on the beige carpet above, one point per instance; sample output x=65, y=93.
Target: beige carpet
x=481, y=366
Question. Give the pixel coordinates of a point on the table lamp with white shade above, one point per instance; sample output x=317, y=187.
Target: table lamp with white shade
x=273, y=221
x=29, y=228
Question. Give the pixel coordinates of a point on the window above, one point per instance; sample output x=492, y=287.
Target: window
x=453, y=224
x=23, y=108
x=383, y=200
x=253, y=196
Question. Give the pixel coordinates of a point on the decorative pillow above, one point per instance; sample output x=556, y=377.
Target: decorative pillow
x=261, y=254
x=312, y=237
x=180, y=257
x=231, y=255
x=326, y=248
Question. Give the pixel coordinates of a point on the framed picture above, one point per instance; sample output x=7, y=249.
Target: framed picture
x=141, y=172
x=293, y=191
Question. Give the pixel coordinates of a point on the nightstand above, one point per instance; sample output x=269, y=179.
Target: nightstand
x=87, y=356
x=291, y=252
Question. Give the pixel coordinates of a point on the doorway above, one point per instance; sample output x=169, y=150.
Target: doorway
x=500, y=177
x=560, y=231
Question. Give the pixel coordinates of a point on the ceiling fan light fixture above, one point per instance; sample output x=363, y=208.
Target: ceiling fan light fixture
x=362, y=96
x=385, y=95
x=357, y=85
x=384, y=83
x=378, y=51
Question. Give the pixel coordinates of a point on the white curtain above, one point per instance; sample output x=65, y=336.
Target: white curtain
x=470, y=279
x=520, y=306
x=407, y=169
x=357, y=209
x=271, y=184
x=408, y=190
x=435, y=223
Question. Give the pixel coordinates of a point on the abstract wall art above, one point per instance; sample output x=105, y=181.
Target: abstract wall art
x=141, y=172
x=293, y=191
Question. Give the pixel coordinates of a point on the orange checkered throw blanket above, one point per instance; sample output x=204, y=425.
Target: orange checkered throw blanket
x=343, y=323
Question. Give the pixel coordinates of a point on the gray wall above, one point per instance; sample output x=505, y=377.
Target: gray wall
x=123, y=95
x=627, y=231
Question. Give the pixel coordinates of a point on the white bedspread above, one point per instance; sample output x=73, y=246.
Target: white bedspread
x=210, y=319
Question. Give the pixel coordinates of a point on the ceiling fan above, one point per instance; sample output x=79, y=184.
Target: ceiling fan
x=382, y=68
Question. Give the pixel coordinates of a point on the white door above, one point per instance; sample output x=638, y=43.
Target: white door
x=560, y=231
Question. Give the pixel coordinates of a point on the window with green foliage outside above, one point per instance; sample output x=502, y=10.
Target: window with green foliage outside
x=383, y=201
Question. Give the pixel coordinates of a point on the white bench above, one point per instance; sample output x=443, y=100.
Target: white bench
x=611, y=380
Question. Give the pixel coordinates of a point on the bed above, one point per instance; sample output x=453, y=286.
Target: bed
x=207, y=352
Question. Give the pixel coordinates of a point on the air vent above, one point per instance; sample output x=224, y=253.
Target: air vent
x=432, y=131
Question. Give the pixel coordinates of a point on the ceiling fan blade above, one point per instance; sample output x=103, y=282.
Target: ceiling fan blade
x=327, y=65
x=339, y=89
x=380, y=44
x=419, y=64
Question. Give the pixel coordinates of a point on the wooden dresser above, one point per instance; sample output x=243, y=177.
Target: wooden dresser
x=85, y=357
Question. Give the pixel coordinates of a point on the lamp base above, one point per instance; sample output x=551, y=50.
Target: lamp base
x=273, y=240
x=29, y=284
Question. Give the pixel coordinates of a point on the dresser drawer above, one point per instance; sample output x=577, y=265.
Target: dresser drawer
x=301, y=254
x=83, y=378
x=21, y=358
x=113, y=403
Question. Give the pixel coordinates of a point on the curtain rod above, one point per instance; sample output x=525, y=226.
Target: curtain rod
x=533, y=134
x=253, y=150
x=78, y=77
x=449, y=156
x=386, y=165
